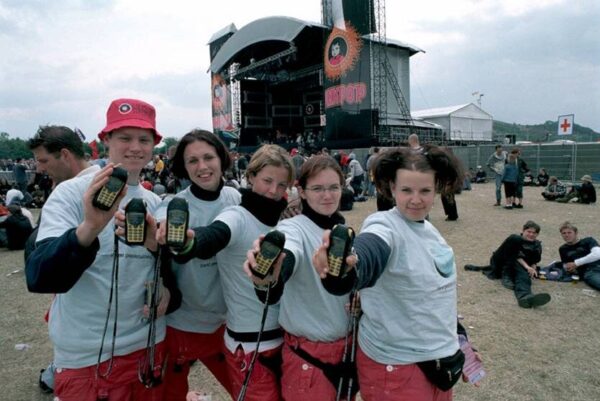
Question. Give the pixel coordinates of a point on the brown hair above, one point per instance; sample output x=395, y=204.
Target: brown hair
x=178, y=167
x=568, y=225
x=271, y=155
x=315, y=165
x=532, y=224
x=447, y=168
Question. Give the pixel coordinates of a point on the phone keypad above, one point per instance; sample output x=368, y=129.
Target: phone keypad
x=106, y=197
x=263, y=264
x=135, y=233
x=335, y=265
x=176, y=233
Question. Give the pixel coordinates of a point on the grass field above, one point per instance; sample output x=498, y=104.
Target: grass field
x=545, y=354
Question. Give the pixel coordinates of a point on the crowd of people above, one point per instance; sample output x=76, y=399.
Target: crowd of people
x=127, y=321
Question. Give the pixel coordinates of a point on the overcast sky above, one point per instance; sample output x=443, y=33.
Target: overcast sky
x=62, y=62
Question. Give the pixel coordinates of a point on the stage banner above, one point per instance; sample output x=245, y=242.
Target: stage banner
x=221, y=104
x=360, y=13
x=565, y=124
x=347, y=85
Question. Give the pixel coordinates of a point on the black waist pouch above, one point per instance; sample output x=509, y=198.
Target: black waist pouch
x=444, y=372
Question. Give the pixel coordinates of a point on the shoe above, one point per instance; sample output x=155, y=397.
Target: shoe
x=519, y=206
x=508, y=283
x=533, y=301
x=508, y=207
x=497, y=204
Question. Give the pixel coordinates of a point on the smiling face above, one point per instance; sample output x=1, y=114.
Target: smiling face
x=530, y=234
x=132, y=147
x=203, y=165
x=270, y=182
x=414, y=192
x=323, y=192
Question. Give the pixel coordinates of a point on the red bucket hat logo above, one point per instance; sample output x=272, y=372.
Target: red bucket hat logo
x=130, y=113
x=125, y=108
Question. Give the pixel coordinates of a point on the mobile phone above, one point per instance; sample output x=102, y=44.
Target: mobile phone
x=473, y=368
x=341, y=239
x=270, y=249
x=135, y=222
x=178, y=216
x=106, y=196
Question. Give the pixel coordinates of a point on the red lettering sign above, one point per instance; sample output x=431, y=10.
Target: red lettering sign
x=339, y=95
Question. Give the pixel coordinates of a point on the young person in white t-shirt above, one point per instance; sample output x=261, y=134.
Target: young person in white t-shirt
x=315, y=322
x=270, y=172
x=406, y=274
x=195, y=330
x=75, y=258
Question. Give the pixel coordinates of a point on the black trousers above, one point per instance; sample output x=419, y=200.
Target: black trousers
x=522, y=281
x=449, y=203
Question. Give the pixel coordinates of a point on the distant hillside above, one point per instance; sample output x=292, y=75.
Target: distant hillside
x=543, y=132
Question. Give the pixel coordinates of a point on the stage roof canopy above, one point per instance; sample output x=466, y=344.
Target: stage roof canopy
x=283, y=29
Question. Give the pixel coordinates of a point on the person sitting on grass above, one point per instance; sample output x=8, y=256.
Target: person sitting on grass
x=515, y=261
x=554, y=190
x=580, y=256
x=584, y=193
x=480, y=176
x=542, y=178
x=17, y=226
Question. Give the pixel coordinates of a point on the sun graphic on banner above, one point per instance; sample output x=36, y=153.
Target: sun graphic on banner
x=219, y=93
x=341, y=51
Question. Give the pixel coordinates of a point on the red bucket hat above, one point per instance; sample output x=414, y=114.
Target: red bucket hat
x=130, y=113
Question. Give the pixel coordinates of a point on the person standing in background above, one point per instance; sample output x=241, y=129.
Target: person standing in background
x=496, y=163
x=521, y=169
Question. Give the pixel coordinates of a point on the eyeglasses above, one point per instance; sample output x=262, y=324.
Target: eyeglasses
x=319, y=189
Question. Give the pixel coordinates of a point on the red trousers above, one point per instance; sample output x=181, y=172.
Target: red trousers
x=263, y=384
x=302, y=381
x=380, y=382
x=183, y=348
x=122, y=384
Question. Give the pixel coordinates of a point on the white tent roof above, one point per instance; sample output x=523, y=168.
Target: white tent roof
x=445, y=111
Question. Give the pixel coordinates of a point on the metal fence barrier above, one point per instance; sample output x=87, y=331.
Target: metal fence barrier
x=568, y=162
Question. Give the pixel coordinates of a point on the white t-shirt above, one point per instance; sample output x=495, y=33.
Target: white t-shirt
x=410, y=312
x=77, y=317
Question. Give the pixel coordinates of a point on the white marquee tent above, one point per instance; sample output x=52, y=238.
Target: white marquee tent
x=465, y=122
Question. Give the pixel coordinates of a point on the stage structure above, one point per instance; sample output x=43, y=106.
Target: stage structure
x=340, y=83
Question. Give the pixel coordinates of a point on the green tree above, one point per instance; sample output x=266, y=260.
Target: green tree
x=13, y=148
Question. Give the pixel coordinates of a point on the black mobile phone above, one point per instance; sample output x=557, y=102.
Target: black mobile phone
x=135, y=222
x=341, y=239
x=178, y=216
x=270, y=249
x=105, y=198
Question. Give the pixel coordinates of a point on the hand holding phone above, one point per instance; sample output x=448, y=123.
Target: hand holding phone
x=270, y=249
x=340, y=246
x=106, y=196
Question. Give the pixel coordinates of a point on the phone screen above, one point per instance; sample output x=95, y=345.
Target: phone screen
x=269, y=250
x=177, y=217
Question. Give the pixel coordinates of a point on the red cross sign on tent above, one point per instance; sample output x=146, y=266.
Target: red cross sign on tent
x=565, y=124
